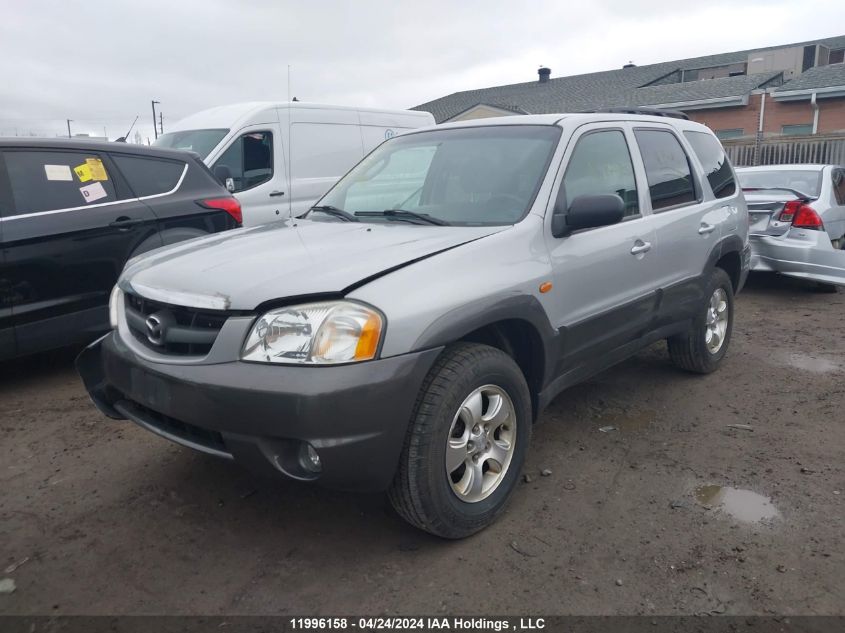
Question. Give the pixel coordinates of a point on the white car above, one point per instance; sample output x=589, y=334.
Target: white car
x=279, y=158
x=797, y=220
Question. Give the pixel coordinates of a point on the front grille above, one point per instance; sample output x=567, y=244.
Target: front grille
x=180, y=331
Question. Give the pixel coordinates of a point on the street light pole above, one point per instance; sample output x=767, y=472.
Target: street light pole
x=155, y=129
x=68, y=127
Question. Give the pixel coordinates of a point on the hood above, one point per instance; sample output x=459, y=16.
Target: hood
x=241, y=269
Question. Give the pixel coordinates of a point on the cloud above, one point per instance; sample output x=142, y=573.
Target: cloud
x=100, y=63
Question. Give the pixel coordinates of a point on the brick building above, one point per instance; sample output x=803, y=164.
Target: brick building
x=780, y=91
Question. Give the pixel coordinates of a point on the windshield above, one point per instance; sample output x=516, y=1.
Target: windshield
x=199, y=141
x=803, y=180
x=469, y=177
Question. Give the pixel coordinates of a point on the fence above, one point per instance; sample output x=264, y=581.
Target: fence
x=780, y=151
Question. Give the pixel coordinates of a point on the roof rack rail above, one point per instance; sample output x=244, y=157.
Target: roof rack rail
x=672, y=114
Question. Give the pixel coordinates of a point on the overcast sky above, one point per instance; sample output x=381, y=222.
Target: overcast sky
x=101, y=62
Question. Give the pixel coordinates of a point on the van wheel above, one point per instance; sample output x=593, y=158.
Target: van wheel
x=705, y=344
x=466, y=443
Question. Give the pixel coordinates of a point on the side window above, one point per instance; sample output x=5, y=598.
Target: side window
x=839, y=186
x=149, y=176
x=670, y=182
x=53, y=179
x=601, y=164
x=716, y=166
x=250, y=159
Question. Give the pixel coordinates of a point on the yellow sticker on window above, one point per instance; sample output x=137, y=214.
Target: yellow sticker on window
x=83, y=172
x=98, y=171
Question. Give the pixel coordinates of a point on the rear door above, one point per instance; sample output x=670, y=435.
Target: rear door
x=604, y=278
x=73, y=225
x=688, y=220
x=173, y=189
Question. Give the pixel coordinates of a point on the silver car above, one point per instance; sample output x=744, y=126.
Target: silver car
x=797, y=220
x=405, y=334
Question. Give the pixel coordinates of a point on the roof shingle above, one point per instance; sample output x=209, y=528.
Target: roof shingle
x=612, y=88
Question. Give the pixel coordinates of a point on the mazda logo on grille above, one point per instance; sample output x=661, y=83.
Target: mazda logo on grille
x=155, y=329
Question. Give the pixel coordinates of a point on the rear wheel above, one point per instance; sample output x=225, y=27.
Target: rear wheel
x=466, y=444
x=705, y=344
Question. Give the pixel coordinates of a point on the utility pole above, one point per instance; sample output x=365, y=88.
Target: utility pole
x=155, y=124
x=68, y=127
x=160, y=123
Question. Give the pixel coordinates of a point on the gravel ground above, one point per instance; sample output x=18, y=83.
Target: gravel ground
x=672, y=511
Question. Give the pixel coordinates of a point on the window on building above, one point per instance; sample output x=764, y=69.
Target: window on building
x=249, y=159
x=801, y=129
x=601, y=164
x=734, y=132
x=53, y=179
x=837, y=56
x=667, y=167
x=712, y=157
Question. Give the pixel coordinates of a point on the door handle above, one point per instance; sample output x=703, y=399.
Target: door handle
x=705, y=228
x=273, y=194
x=124, y=222
x=641, y=247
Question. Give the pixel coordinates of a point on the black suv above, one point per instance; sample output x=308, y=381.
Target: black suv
x=73, y=212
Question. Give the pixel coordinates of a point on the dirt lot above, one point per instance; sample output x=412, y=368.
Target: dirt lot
x=108, y=519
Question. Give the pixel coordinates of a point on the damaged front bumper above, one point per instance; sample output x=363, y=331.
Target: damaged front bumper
x=801, y=253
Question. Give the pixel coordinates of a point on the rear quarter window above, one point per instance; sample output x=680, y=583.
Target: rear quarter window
x=50, y=180
x=712, y=157
x=149, y=176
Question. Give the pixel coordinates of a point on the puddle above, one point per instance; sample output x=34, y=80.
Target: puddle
x=743, y=505
x=814, y=364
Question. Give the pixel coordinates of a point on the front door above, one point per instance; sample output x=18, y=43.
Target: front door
x=604, y=278
x=255, y=158
x=73, y=225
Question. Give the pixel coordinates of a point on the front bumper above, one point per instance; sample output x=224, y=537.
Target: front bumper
x=355, y=416
x=802, y=253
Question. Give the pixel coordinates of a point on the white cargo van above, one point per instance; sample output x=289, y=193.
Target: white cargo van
x=281, y=157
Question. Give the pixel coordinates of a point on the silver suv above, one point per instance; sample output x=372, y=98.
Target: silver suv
x=406, y=332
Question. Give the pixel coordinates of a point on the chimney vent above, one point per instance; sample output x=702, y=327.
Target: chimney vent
x=630, y=65
x=544, y=74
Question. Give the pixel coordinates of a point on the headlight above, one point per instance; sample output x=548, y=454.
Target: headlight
x=315, y=334
x=114, y=300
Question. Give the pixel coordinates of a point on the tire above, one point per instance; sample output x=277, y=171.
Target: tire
x=690, y=350
x=423, y=492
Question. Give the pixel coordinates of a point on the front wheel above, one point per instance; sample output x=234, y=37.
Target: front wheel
x=466, y=443
x=701, y=348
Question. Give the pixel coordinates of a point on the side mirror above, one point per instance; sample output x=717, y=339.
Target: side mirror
x=224, y=175
x=587, y=212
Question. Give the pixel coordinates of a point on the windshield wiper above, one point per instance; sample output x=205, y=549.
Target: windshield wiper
x=403, y=214
x=334, y=211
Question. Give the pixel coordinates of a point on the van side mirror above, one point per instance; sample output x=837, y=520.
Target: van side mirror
x=587, y=212
x=224, y=175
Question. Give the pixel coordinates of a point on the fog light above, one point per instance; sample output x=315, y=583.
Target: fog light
x=309, y=459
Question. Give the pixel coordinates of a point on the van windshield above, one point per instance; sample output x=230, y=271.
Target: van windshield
x=199, y=141
x=471, y=176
